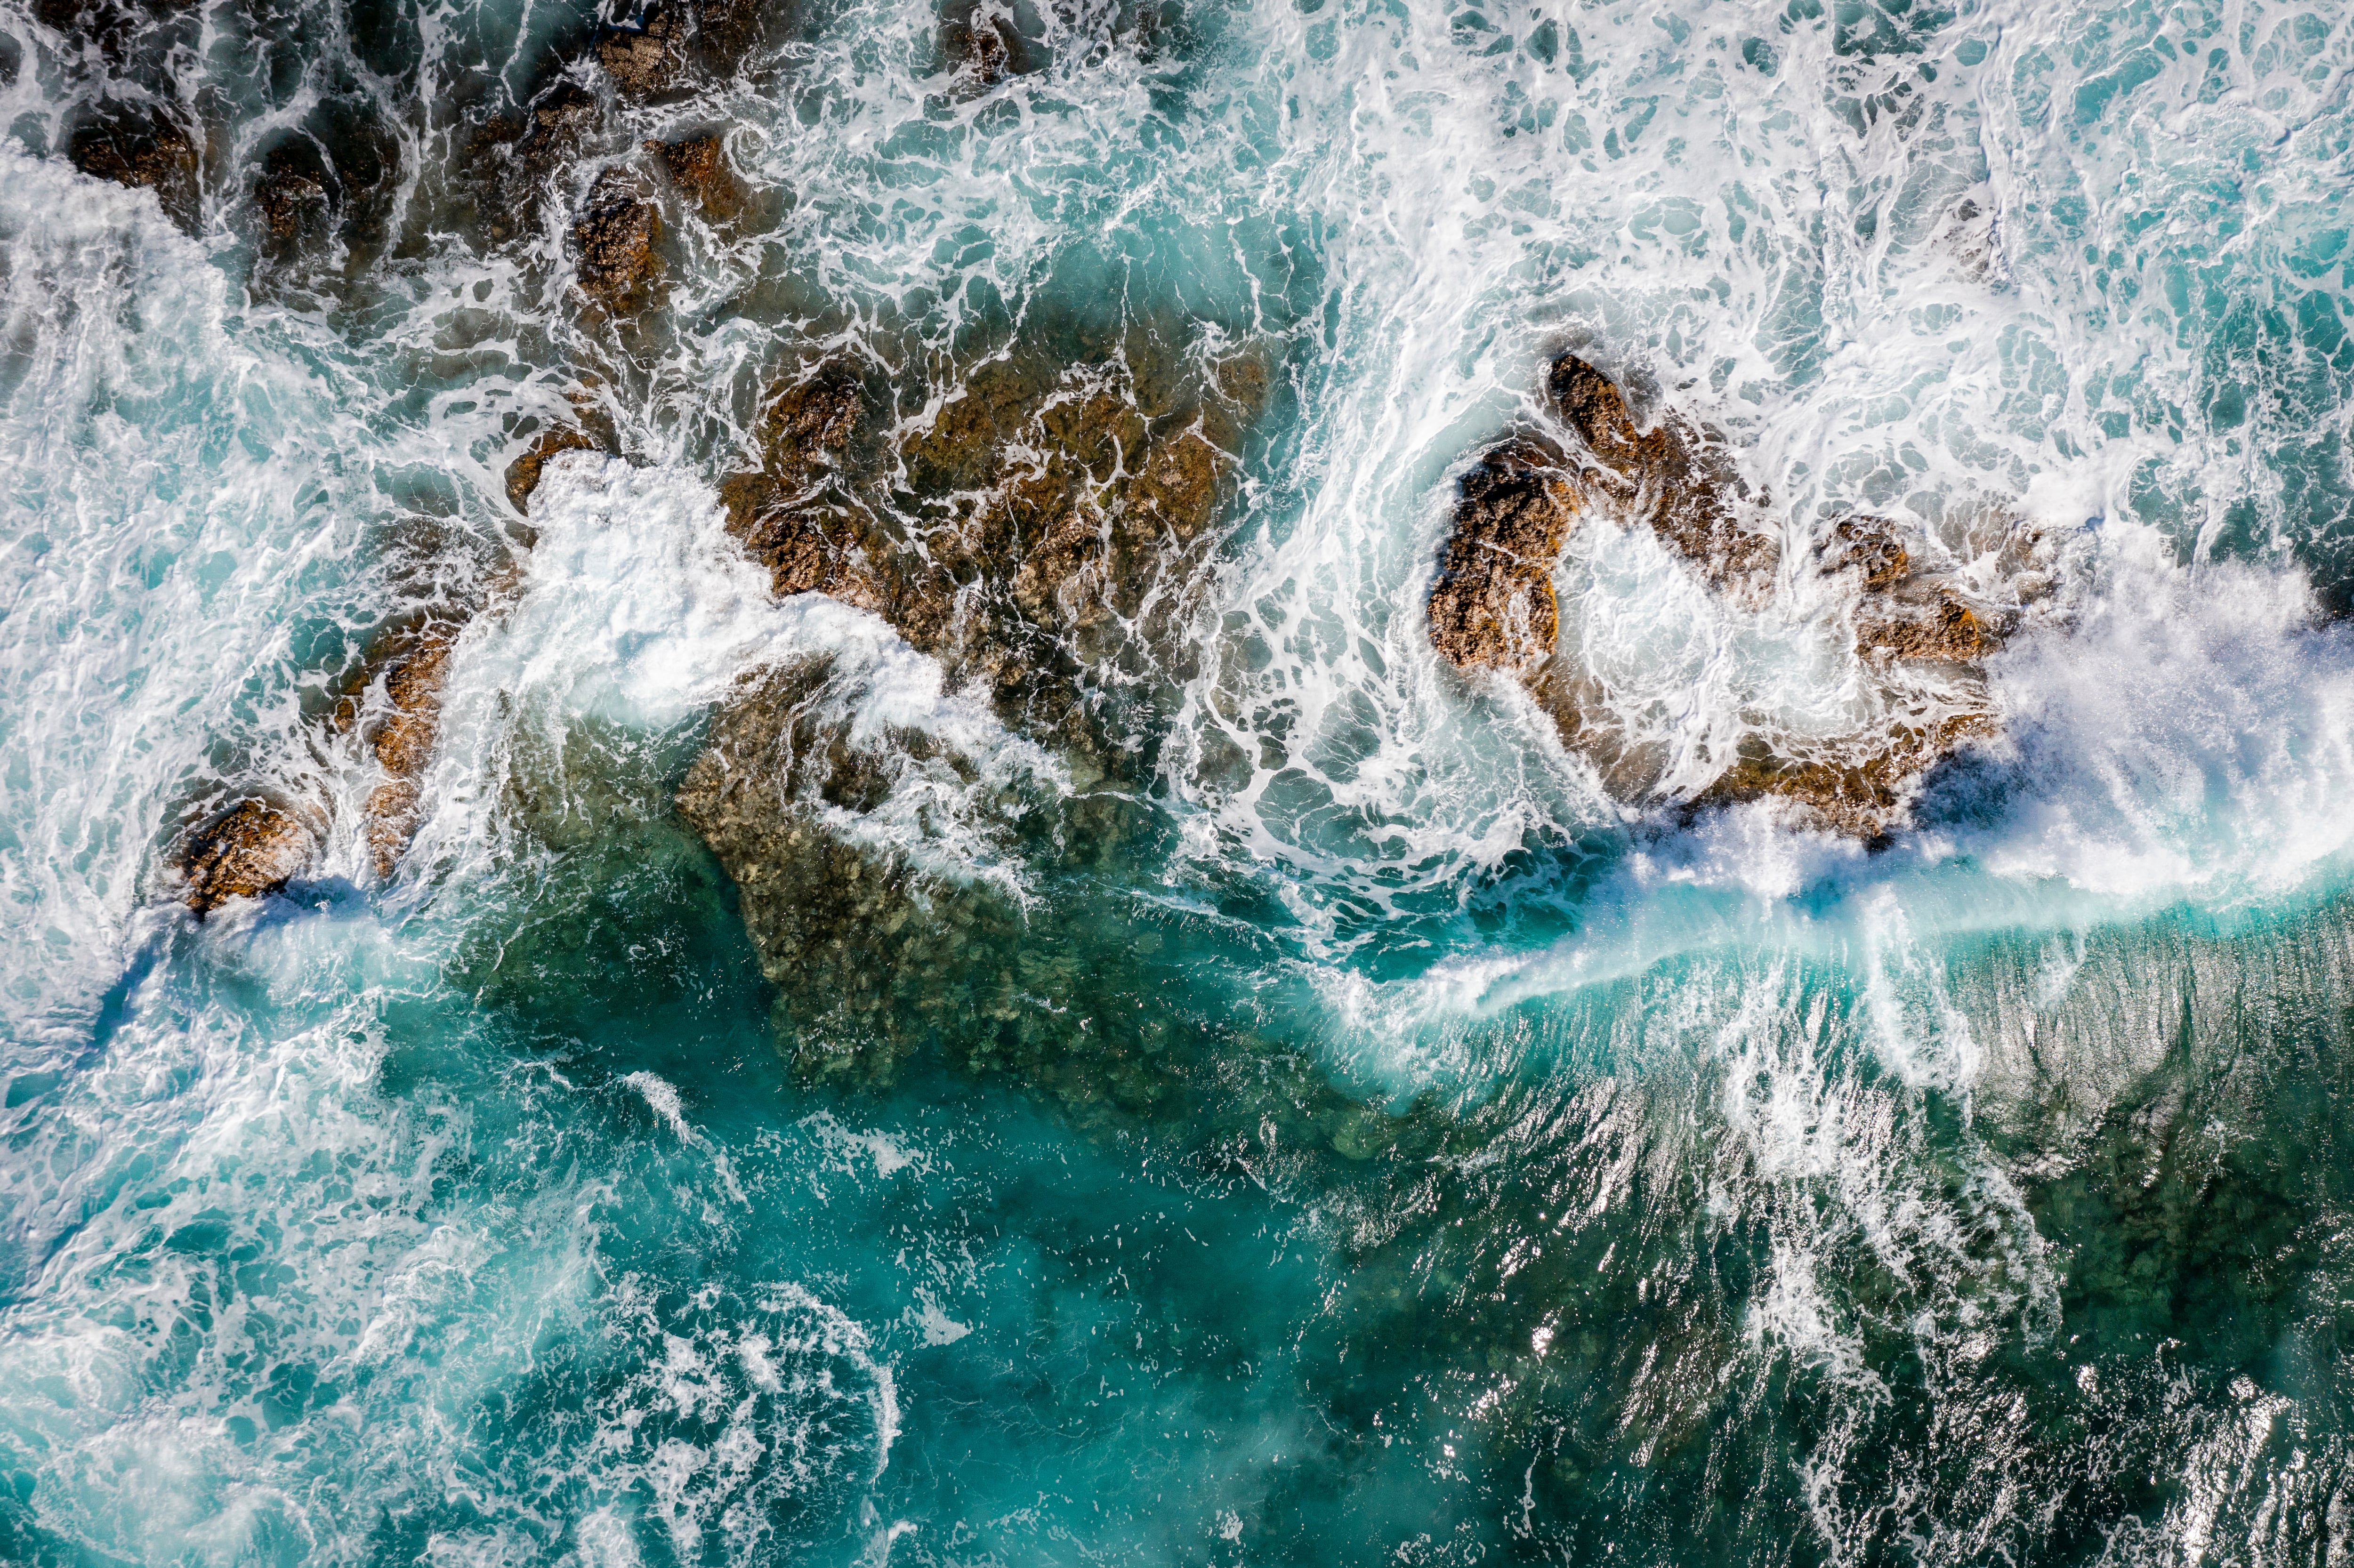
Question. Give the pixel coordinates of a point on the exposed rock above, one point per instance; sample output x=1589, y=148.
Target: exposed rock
x=1046, y=522
x=416, y=667
x=523, y=474
x=1675, y=477
x=555, y=128
x=146, y=150
x=643, y=60
x=249, y=849
x=1862, y=793
x=1492, y=606
x=291, y=197
x=698, y=167
x=981, y=43
x=616, y=235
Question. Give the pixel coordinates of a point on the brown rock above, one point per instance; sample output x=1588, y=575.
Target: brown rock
x=616, y=235
x=698, y=167
x=249, y=849
x=1675, y=477
x=1492, y=606
x=146, y=150
x=1868, y=546
x=556, y=127
x=1943, y=631
x=1863, y=793
x=523, y=474
x=415, y=673
x=645, y=60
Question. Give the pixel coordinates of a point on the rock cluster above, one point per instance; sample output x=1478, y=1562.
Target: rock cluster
x=1491, y=604
x=698, y=169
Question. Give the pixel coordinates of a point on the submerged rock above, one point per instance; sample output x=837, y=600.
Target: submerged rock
x=147, y=150
x=616, y=234
x=698, y=168
x=249, y=849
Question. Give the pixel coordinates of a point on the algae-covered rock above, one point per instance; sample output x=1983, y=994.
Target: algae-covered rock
x=250, y=849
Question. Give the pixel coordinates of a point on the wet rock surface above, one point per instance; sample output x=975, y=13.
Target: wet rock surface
x=147, y=150
x=251, y=849
x=645, y=60
x=615, y=234
x=523, y=473
x=1492, y=606
x=1492, y=602
x=698, y=168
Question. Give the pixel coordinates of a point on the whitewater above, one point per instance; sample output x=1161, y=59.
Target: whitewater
x=899, y=936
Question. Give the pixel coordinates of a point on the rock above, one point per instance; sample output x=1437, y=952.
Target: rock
x=523, y=474
x=698, y=168
x=416, y=667
x=981, y=44
x=616, y=235
x=1492, y=606
x=291, y=197
x=249, y=849
x=1862, y=793
x=1675, y=478
x=146, y=150
x=644, y=60
x=555, y=128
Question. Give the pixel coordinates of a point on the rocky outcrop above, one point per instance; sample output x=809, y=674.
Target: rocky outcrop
x=615, y=233
x=523, y=473
x=698, y=170
x=1041, y=533
x=415, y=666
x=1491, y=605
x=1676, y=478
x=147, y=150
x=249, y=849
x=646, y=59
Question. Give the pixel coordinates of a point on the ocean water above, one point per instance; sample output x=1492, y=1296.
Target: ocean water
x=1350, y=1129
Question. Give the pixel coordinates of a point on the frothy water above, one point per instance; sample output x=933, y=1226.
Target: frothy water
x=1330, y=1116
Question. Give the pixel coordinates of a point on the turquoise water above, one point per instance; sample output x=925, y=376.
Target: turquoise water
x=1342, y=1131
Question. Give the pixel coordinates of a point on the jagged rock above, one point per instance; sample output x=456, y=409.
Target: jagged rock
x=1860, y=793
x=1492, y=606
x=556, y=127
x=416, y=667
x=1676, y=478
x=643, y=60
x=146, y=150
x=982, y=43
x=250, y=850
x=616, y=235
x=291, y=197
x=698, y=167
x=523, y=474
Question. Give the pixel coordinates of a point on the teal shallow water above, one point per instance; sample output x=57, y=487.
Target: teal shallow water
x=1348, y=1135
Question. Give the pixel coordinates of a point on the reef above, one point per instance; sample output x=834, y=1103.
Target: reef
x=1492, y=606
x=698, y=170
